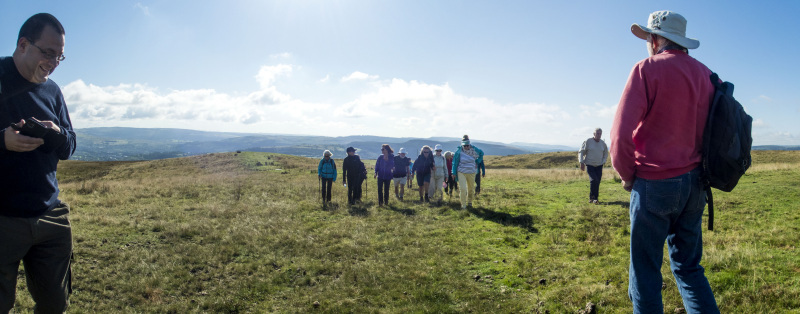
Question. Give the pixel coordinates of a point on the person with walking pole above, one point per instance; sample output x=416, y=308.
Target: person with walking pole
x=383, y=172
x=424, y=168
x=326, y=171
x=353, y=172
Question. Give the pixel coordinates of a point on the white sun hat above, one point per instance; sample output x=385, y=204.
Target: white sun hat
x=667, y=24
x=438, y=147
x=402, y=151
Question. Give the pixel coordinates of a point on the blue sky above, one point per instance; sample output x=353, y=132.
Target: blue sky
x=508, y=71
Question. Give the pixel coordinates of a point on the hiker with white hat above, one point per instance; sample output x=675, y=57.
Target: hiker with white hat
x=465, y=166
x=402, y=171
x=326, y=171
x=439, y=176
x=656, y=140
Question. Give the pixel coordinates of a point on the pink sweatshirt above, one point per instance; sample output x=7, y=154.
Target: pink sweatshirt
x=658, y=128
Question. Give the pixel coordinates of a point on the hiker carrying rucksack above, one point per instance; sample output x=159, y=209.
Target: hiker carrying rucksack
x=327, y=174
x=726, y=143
x=353, y=174
x=656, y=142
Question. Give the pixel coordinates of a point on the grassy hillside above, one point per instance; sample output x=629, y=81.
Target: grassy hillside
x=245, y=233
x=570, y=159
x=536, y=161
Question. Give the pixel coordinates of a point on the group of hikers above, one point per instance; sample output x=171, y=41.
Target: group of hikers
x=436, y=173
x=656, y=139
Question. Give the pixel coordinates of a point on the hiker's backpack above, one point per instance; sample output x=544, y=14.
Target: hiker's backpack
x=726, y=143
x=333, y=165
x=362, y=170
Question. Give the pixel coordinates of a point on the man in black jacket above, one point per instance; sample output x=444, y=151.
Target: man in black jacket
x=34, y=224
x=354, y=172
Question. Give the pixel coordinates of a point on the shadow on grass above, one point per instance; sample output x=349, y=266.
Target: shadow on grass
x=359, y=209
x=622, y=204
x=522, y=221
x=330, y=206
x=404, y=211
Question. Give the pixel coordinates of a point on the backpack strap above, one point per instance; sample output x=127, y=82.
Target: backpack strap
x=710, y=201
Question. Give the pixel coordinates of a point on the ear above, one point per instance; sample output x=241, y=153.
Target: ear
x=22, y=43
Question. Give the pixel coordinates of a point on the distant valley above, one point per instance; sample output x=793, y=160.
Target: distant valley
x=118, y=143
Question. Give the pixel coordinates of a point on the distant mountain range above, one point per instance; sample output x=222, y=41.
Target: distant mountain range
x=117, y=143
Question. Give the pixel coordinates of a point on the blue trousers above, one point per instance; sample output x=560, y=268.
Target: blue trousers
x=668, y=210
x=595, y=175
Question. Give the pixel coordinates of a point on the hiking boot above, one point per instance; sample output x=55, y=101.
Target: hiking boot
x=427, y=200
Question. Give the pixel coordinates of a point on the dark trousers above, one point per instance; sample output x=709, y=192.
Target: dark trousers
x=383, y=190
x=595, y=175
x=44, y=245
x=327, y=184
x=353, y=189
x=478, y=182
x=452, y=184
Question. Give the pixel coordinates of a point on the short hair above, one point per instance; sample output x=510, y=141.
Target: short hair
x=668, y=42
x=33, y=27
x=387, y=148
x=598, y=129
x=326, y=153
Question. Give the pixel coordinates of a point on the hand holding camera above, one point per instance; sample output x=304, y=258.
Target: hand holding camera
x=46, y=136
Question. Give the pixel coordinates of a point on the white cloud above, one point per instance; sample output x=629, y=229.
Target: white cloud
x=357, y=75
x=393, y=107
x=598, y=110
x=325, y=79
x=759, y=123
x=145, y=9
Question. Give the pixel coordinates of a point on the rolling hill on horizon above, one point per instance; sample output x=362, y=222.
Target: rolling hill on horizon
x=122, y=143
x=118, y=143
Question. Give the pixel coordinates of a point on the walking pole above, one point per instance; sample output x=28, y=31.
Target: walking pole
x=319, y=179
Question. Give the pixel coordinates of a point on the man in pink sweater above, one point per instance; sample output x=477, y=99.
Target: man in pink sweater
x=656, y=141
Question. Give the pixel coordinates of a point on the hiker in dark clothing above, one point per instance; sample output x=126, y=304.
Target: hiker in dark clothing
x=383, y=172
x=327, y=173
x=452, y=182
x=423, y=169
x=481, y=173
x=354, y=172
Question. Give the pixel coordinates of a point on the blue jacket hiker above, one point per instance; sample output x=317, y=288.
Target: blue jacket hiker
x=327, y=174
x=465, y=168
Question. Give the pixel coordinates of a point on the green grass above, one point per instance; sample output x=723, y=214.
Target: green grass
x=246, y=233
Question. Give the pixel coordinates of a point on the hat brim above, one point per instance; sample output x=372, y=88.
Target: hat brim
x=641, y=32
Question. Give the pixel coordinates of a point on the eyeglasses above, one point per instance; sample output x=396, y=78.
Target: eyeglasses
x=49, y=55
x=426, y=152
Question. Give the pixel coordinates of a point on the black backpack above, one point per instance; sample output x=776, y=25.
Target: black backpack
x=726, y=143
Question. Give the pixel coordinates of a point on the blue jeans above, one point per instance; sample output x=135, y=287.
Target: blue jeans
x=672, y=210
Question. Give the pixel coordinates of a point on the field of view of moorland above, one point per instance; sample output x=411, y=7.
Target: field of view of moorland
x=246, y=233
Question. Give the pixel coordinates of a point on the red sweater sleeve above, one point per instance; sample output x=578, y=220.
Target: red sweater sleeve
x=630, y=112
